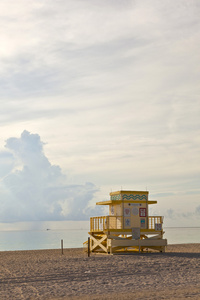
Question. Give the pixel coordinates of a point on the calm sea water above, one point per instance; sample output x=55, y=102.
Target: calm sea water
x=74, y=238
x=44, y=239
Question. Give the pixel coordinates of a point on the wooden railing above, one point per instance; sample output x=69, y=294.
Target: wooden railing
x=155, y=223
x=105, y=223
x=98, y=224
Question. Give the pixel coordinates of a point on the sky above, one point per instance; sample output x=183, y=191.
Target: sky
x=99, y=96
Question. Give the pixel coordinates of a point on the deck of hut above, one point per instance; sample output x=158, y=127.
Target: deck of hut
x=128, y=227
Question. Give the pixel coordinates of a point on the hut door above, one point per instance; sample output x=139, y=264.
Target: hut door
x=135, y=219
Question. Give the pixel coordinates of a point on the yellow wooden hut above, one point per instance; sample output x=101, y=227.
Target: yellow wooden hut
x=128, y=227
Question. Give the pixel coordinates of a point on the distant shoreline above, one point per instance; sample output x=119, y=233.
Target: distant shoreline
x=181, y=245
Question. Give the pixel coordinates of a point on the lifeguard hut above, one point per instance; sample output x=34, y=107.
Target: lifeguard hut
x=128, y=227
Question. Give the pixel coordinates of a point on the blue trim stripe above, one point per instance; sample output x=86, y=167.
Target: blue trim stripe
x=135, y=197
x=116, y=197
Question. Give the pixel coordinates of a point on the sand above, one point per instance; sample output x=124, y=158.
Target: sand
x=47, y=274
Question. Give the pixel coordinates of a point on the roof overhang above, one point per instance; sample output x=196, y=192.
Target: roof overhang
x=110, y=202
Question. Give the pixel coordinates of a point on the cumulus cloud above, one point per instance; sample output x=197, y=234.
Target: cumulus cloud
x=31, y=188
x=123, y=92
x=172, y=214
x=197, y=211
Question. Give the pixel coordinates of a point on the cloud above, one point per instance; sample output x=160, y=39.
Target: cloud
x=162, y=194
x=174, y=215
x=119, y=79
x=197, y=211
x=6, y=163
x=52, y=49
x=171, y=214
x=31, y=189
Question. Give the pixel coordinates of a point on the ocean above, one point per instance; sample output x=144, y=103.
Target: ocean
x=48, y=235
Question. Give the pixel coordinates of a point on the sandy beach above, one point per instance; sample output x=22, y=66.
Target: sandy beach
x=47, y=274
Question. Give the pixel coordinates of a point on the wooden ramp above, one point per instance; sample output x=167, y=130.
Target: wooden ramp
x=113, y=244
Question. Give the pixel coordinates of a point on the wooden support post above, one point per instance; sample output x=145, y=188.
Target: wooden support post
x=89, y=247
x=62, y=246
x=111, y=248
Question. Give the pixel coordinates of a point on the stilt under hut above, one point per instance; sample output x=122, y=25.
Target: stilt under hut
x=128, y=227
